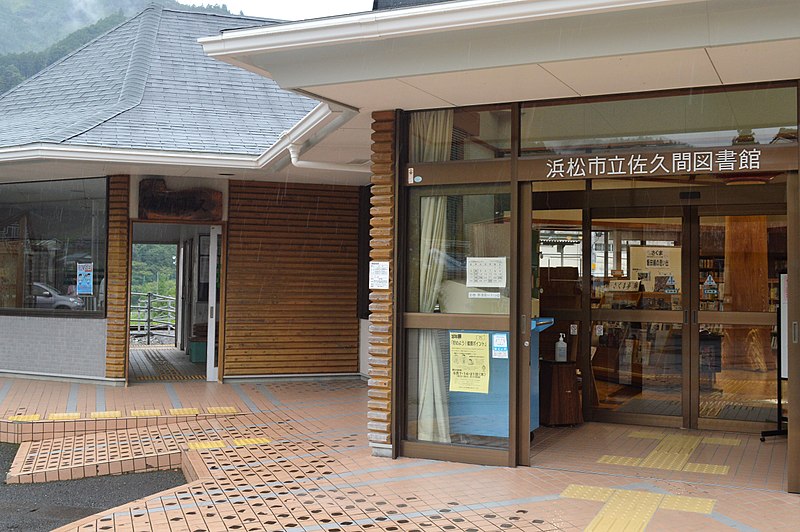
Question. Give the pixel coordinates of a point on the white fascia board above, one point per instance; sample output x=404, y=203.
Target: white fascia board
x=434, y=18
x=308, y=130
x=45, y=151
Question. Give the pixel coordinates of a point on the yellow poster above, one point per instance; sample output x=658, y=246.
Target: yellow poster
x=469, y=362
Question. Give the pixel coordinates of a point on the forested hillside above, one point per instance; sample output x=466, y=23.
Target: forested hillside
x=36, y=33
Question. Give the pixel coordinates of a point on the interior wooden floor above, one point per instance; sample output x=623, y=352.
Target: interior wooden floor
x=162, y=363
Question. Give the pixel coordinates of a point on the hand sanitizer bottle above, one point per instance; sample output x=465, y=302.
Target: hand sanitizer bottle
x=561, y=349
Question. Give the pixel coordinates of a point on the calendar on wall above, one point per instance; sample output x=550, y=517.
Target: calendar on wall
x=486, y=272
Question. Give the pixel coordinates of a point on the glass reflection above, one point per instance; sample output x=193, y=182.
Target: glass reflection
x=53, y=245
x=637, y=367
x=702, y=119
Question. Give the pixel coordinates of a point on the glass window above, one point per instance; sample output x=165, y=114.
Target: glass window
x=636, y=263
x=695, y=120
x=53, y=245
x=460, y=135
x=457, y=392
x=459, y=250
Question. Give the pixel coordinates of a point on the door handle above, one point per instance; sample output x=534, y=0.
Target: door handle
x=686, y=317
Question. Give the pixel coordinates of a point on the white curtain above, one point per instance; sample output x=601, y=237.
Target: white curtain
x=431, y=142
x=433, y=420
x=431, y=136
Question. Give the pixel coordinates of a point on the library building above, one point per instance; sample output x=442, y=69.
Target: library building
x=583, y=214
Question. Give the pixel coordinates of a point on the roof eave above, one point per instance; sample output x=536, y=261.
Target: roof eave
x=307, y=132
x=433, y=18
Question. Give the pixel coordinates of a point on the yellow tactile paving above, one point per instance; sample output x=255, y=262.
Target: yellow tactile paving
x=63, y=416
x=710, y=469
x=633, y=509
x=251, y=441
x=619, y=460
x=587, y=493
x=106, y=414
x=682, y=503
x=733, y=442
x=25, y=417
x=222, y=410
x=214, y=444
x=184, y=411
x=626, y=510
x=672, y=454
x=145, y=413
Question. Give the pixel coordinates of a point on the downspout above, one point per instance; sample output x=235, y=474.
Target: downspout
x=294, y=152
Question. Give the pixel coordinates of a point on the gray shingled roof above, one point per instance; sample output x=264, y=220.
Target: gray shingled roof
x=380, y=5
x=147, y=84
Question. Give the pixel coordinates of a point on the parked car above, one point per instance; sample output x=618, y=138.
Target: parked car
x=45, y=296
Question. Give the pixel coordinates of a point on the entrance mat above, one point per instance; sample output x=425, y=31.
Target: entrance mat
x=712, y=409
x=652, y=406
x=160, y=369
x=749, y=413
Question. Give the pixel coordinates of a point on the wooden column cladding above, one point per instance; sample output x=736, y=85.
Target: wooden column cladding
x=382, y=220
x=117, y=274
x=291, y=277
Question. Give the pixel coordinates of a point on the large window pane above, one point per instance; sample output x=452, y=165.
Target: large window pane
x=702, y=119
x=741, y=259
x=460, y=135
x=457, y=388
x=53, y=245
x=459, y=250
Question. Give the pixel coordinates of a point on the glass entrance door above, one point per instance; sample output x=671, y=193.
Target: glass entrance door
x=638, y=295
x=739, y=261
x=683, y=314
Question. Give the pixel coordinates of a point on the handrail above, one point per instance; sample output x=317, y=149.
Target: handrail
x=159, y=315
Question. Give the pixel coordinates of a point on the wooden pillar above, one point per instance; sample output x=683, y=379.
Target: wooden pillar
x=746, y=287
x=381, y=319
x=117, y=273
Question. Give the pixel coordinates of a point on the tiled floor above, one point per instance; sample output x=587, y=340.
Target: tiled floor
x=297, y=458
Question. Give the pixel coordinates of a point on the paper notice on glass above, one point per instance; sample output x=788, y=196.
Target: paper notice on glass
x=469, y=362
x=85, y=281
x=486, y=272
x=378, y=275
x=500, y=345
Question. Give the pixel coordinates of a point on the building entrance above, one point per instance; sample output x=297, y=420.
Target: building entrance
x=174, y=322
x=666, y=297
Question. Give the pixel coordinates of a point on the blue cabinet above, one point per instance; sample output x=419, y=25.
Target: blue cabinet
x=479, y=414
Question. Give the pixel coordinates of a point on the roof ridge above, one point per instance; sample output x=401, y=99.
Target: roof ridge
x=221, y=15
x=134, y=82
x=69, y=55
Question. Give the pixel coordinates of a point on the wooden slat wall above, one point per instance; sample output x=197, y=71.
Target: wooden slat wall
x=117, y=276
x=381, y=318
x=291, y=279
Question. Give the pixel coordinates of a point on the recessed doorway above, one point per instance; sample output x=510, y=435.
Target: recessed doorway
x=173, y=301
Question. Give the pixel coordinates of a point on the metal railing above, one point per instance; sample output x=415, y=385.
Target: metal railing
x=152, y=315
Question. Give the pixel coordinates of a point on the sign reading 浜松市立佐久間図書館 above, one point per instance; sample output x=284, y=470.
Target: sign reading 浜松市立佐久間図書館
x=722, y=160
